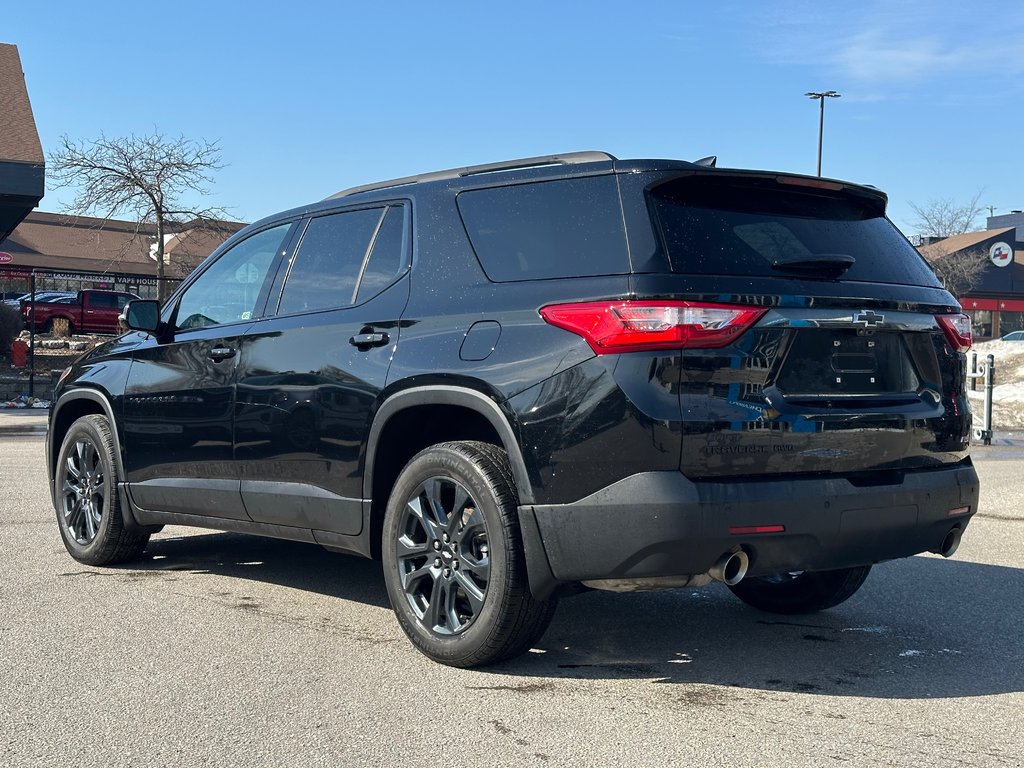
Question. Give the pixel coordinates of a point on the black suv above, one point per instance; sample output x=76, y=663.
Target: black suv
x=515, y=381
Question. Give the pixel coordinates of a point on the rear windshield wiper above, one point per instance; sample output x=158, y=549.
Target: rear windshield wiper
x=826, y=264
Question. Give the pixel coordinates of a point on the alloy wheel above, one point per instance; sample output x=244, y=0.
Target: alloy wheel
x=443, y=556
x=84, y=491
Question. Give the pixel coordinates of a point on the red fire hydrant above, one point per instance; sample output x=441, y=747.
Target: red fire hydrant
x=19, y=353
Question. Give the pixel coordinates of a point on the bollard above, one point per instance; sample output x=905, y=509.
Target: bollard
x=990, y=379
x=987, y=374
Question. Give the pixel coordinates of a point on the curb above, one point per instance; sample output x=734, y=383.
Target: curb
x=22, y=429
x=19, y=432
x=24, y=421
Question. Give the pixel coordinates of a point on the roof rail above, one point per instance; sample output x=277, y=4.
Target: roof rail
x=569, y=158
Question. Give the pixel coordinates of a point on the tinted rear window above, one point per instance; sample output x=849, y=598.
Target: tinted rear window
x=741, y=226
x=566, y=228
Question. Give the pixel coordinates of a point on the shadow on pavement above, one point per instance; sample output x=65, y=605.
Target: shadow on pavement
x=919, y=628
x=286, y=563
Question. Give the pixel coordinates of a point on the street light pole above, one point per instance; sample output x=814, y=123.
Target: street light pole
x=821, y=96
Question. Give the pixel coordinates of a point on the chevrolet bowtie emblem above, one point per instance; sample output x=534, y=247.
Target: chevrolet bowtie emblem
x=869, y=318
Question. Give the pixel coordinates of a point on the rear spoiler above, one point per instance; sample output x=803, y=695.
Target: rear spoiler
x=873, y=195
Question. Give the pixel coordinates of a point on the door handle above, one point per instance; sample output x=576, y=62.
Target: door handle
x=363, y=341
x=221, y=353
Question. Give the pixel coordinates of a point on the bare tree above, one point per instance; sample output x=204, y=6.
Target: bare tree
x=961, y=270
x=147, y=178
x=945, y=217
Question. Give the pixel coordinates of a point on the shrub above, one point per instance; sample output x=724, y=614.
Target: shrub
x=10, y=326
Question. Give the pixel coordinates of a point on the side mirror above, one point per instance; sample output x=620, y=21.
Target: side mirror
x=141, y=315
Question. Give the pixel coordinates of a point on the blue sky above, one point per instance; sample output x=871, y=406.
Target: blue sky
x=307, y=98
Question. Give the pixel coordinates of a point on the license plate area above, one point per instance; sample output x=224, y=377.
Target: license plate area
x=847, y=362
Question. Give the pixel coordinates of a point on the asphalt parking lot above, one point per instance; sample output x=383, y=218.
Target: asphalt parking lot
x=225, y=650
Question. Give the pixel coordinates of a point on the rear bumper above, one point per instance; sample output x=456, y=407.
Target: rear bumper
x=663, y=524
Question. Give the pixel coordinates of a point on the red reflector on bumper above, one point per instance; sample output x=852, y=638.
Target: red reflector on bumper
x=958, y=511
x=746, y=530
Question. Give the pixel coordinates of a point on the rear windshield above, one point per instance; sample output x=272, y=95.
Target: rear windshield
x=565, y=228
x=738, y=226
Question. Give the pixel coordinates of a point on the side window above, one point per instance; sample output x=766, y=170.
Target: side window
x=228, y=290
x=564, y=228
x=103, y=300
x=387, y=256
x=325, y=269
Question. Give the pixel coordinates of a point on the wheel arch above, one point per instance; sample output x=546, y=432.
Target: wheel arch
x=415, y=418
x=47, y=322
x=71, y=406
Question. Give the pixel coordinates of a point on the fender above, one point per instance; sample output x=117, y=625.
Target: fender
x=449, y=395
x=541, y=579
x=93, y=395
x=72, y=395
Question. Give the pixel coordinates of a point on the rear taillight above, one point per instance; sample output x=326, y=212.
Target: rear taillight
x=957, y=329
x=611, y=327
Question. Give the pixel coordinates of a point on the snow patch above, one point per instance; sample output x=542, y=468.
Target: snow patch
x=1008, y=389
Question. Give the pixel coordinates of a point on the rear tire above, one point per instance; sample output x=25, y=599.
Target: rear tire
x=454, y=565
x=85, y=494
x=804, y=592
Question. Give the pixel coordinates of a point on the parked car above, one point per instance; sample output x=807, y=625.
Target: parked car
x=1014, y=336
x=89, y=311
x=516, y=381
x=41, y=296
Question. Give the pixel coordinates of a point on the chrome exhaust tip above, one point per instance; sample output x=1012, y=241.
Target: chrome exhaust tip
x=730, y=568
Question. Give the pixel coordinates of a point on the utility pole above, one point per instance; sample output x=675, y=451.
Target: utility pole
x=821, y=96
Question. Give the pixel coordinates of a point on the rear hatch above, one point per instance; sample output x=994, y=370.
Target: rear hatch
x=855, y=364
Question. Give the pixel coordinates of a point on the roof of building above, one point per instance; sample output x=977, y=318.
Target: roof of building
x=60, y=241
x=960, y=242
x=19, y=140
x=22, y=171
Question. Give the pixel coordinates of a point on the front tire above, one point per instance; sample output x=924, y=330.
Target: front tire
x=804, y=592
x=454, y=565
x=85, y=495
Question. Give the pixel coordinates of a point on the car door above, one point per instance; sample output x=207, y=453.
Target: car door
x=312, y=369
x=179, y=397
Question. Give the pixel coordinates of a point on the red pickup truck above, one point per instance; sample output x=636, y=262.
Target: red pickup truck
x=91, y=311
